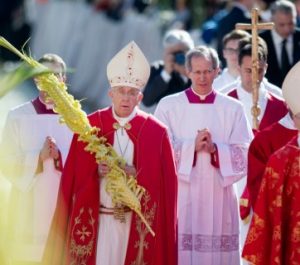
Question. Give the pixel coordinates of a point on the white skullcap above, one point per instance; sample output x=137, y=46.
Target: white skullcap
x=176, y=36
x=129, y=67
x=291, y=89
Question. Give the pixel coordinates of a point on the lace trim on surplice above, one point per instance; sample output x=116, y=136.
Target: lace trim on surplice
x=208, y=243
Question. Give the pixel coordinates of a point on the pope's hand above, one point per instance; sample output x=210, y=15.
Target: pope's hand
x=130, y=170
x=103, y=169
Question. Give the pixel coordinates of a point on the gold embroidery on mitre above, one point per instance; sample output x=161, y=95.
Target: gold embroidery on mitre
x=84, y=233
x=142, y=244
x=129, y=70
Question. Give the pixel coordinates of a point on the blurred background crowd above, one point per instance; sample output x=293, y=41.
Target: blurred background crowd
x=86, y=34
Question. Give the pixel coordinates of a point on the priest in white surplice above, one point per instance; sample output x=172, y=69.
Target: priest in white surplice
x=33, y=148
x=211, y=135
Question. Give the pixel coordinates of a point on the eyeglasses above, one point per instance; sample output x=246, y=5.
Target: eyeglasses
x=132, y=93
x=231, y=50
x=204, y=72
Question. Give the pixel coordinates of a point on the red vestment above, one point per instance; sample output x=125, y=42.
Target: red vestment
x=73, y=238
x=264, y=144
x=273, y=236
x=275, y=110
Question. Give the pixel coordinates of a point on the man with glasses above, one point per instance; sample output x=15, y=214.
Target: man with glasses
x=33, y=151
x=230, y=53
x=210, y=136
x=86, y=227
x=230, y=76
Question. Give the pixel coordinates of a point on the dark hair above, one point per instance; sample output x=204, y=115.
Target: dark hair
x=235, y=34
x=245, y=49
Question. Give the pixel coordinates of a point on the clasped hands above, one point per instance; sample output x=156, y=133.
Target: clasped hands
x=103, y=169
x=203, y=142
x=49, y=149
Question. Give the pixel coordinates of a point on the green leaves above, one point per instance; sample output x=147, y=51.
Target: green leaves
x=10, y=80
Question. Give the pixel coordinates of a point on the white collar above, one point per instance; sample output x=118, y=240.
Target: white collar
x=262, y=92
x=122, y=121
x=202, y=97
x=278, y=39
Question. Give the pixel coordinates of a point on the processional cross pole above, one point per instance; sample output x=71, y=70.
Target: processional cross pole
x=254, y=27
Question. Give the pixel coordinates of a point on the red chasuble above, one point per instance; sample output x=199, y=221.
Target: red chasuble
x=264, y=144
x=73, y=238
x=275, y=110
x=274, y=237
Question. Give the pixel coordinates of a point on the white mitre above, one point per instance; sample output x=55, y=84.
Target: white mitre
x=291, y=89
x=129, y=67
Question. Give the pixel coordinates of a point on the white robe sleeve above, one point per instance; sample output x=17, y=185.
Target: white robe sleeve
x=182, y=147
x=17, y=165
x=233, y=155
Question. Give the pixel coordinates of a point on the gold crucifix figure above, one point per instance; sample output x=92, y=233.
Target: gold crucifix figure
x=254, y=27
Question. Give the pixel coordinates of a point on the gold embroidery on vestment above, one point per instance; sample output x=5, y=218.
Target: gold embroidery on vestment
x=127, y=126
x=85, y=234
x=142, y=244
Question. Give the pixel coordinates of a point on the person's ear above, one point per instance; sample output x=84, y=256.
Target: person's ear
x=110, y=93
x=217, y=71
x=239, y=68
x=188, y=72
x=64, y=78
x=140, y=97
x=266, y=68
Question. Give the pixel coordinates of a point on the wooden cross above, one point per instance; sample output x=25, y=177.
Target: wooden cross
x=254, y=27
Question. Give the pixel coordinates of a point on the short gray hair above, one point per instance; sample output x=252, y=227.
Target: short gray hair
x=204, y=52
x=53, y=59
x=284, y=6
x=176, y=36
